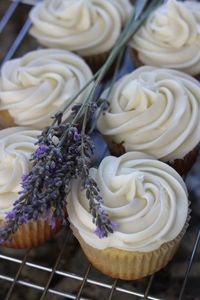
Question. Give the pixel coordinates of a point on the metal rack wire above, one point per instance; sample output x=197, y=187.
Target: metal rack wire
x=114, y=287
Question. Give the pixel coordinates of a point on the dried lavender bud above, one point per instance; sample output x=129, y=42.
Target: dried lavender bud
x=74, y=110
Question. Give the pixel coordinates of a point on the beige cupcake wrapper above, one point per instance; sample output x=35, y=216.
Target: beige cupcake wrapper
x=6, y=120
x=32, y=234
x=129, y=265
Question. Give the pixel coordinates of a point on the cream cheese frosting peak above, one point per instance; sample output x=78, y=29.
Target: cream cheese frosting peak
x=87, y=27
x=35, y=86
x=171, y=37
x=145, y=197
x=16, y=146
x=156, y=111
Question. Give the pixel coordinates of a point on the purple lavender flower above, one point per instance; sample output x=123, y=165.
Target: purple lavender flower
x=46, y=216
x=52, y=223
x=21, y=220
x=102, y=211
x=77, y=136
x=103, y=229
x=64, y=222
x=100, y=232
x=42, y=149
x=24, y=177
x=114, y=225
x=11, y=215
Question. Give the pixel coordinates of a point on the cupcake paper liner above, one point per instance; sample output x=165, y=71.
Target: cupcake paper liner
x=97, y=61
x=183, y=166
x=197, y=77
x=128, y=265
x=32, y=234
x=6, y=120
x=135, y=59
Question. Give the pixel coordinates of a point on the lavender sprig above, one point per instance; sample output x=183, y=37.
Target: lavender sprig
x=54, y=164
x=100, y=216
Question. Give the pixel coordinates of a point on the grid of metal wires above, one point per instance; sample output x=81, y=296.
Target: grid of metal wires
x=114, y=287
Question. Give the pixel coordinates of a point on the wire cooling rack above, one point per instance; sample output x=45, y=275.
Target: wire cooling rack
x=20, y=271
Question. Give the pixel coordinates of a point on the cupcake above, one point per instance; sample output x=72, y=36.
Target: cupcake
x=170, y=38
x=16, y=146
x=148, y=201
x=87, y=27
x=34, y=87
x=156, y=111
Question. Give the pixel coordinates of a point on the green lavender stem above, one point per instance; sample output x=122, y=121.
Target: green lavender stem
x=132, y=26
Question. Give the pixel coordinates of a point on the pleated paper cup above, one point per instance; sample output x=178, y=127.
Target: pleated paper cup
x=32, y=234
x=181, y=165
x=6, y=120
x=135, y=59
x=128, y=265
x=184, y=165
x=97, y=61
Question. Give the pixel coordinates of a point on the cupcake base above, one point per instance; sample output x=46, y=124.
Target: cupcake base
x=135, y=59
x=129, y=265
x=97, y=61
x=6, y=120
x=182, y=165
x=32, y=234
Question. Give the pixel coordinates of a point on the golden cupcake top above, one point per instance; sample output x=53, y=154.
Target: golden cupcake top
x=170, y=37
x=156, y=111
x=34, y=87
x=88, y=27
x=146, y=198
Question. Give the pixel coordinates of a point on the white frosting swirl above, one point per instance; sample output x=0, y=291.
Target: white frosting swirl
x=88, y=27
x=16, y=146
x=146, y=197
x=34, y=87
x=171, y=37
x=156, y=111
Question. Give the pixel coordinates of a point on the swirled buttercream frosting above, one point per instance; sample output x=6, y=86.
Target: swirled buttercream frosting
x=87, y=27
x=156, y=111
x=145, y=197
x=171, y=37
x=16, y=146
x=34, y=87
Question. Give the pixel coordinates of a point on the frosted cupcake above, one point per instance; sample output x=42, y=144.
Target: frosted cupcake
x=170, y=38
x=34, y=87
x=88, y=27
x=16, y=146
x=148, y=200
x=156, y=111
